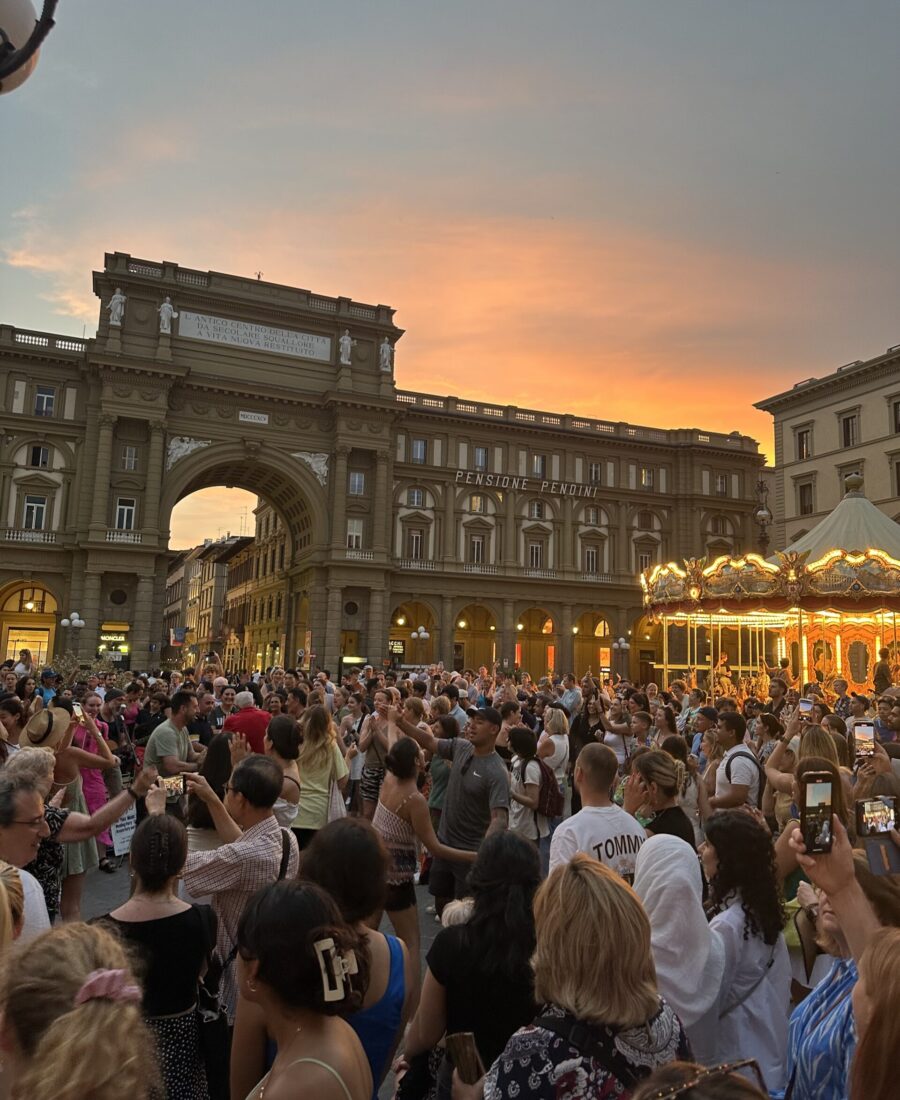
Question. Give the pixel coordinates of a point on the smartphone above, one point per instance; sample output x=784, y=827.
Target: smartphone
x=875, y=817
x=816, y=808
x=77, y=711
x=864, y=735
x=464, y=1055
x=174, y=784
x=805, y=707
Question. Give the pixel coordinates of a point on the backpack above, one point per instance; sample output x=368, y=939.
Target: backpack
x=550, y=801
x=759, y=768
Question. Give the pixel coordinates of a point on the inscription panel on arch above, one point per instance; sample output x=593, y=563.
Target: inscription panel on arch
x=246, y=334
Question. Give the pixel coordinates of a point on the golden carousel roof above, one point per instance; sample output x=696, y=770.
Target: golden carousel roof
x=848, y=562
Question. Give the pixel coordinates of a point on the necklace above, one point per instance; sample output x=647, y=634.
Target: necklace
x=265, y=1082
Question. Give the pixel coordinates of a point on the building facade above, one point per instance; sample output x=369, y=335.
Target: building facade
x=847, y=422
x=505, y=533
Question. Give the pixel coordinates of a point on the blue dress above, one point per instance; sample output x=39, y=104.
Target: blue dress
x=823, y=1038
x=377, y=1026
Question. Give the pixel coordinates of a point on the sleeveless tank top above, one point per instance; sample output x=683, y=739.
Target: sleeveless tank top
x=377, y=1026
x=400, y=841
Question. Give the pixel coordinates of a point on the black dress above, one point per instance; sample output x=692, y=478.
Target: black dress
x=674, y=822
x=173, y=950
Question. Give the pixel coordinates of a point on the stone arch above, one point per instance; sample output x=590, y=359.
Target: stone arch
x=285, y=482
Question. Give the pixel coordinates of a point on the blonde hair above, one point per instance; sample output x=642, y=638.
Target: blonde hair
x=35, y=765
x=440, y=705
x=872, y=1076
x=818, y=742
x=662, y=769
x=318, y=737
x=37, y=999
x=12, y=904
x=600, y=967
x=457, y=912
x=555, y=721
x=415, y=705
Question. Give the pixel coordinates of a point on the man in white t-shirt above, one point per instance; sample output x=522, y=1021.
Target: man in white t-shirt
x=738, y=774
x=600, y=829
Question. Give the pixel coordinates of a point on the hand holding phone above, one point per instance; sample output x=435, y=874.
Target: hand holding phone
x=816, y=809
x=804, y=708
x=175, y=785
x=864, y=735
x=875, y=819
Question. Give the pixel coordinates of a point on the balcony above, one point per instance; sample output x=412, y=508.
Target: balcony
x=417, y=563
x=482, y=568
x=360, y=555
x=12, y=535
x=540, y=574
x=597, y=578
x=133, y=537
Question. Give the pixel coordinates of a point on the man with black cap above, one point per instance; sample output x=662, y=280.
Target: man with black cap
x=477, y=799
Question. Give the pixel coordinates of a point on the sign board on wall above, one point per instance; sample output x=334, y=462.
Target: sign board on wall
x=397, y=648
x=526, y=484
x=252, y=417
x=245, y=334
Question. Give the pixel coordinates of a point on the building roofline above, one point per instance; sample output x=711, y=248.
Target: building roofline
x=849, y=371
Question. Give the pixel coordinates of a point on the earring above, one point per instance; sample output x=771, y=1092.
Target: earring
x=250, y=986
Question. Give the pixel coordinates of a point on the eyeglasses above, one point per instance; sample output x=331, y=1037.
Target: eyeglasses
x=708, y=1073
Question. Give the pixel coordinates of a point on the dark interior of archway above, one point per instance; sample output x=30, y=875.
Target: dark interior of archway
x=274, y=487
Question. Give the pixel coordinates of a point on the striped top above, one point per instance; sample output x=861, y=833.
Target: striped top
x=400, y=841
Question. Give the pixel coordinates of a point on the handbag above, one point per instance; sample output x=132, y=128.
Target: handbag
x=337, y=807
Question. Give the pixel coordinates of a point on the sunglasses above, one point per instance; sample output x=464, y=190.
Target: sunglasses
x=710, y=1073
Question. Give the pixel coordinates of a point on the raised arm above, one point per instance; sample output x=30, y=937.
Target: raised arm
x=424, y=737
x=79, y=827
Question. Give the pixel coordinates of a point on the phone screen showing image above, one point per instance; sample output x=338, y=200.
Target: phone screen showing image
x=864, y=734
x=805, y=707
x=174, y=785
x=875, y=815
x=815, y=815
x=77, y=711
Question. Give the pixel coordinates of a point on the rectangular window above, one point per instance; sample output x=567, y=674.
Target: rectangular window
x=591, y=560
x=35, y=513
x=125, y=509
x=44, y=401
x=849, y=430
x=591, y=516
x=595, y=473
x=476, y=503
x=720, y=525
x=805, y=501
x=129, y=458
x=536, y=555
x=357, y=483
x=419, y=451
x=897, y=478
x=539, y=466
x=721, y=485
x=476, y=549
x=645, y=560
x=481, y=458
x=536, y=509
x=896, y=418
x=354, y=534
x=804, y=443
x=39, y=457
x=415, y=543
x=645, y=521
x=647, y=477
x=415, y=498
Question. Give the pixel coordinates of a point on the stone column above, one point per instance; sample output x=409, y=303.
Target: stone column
x=384, y=508
x=566, y=641
x=339, y=500
x=507, y=635
x=142, y=625
x=568, y=536
x=450, y=522
x=154, y=476
x=376, y=637
x=100, y=499
x=86, y=639
x=332, y=642
x=623, y=543
x=447, y=632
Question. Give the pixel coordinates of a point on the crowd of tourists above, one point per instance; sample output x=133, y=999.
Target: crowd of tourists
x=630, y=898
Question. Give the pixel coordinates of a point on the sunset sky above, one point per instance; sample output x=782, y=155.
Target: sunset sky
x=657, y=212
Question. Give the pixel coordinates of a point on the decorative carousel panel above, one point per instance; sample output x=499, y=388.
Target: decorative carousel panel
x=665, y=584
x=741, y=578
x=855, y=576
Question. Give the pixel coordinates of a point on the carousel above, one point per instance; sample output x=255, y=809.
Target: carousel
x=826, y=606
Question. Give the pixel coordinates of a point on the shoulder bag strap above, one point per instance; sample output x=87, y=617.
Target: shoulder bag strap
x=754, y=987
x=285, y=855
x=585, y=1040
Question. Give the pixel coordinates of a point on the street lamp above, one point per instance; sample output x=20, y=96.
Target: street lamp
x=420, y=634
x=622, y=646
x=21, y=35
x=74, y=619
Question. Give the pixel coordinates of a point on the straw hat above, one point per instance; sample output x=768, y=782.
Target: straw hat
x=46, y=729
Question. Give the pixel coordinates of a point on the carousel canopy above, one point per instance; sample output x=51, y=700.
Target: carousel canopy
x=848, y=562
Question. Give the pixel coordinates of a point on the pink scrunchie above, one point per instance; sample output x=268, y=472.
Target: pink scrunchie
x=107, y=985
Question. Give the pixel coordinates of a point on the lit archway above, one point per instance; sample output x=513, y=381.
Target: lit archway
x=536, y=642
x=475, y=637
x=592, y=644
x=407, y=619
x=28, y=620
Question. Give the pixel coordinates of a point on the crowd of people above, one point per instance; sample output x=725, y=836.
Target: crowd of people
x=629, y=904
